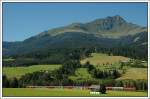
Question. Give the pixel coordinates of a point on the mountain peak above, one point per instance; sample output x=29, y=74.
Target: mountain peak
x=107, y=24
x=110, y=19
x=115, y=19
x=118, y=18
x=111, y=25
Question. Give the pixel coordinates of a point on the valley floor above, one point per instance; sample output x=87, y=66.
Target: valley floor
x=65, y=92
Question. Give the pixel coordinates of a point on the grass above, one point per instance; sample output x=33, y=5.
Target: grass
x=19, y=71
x=99, y=59
x=134, y=74
x=64, y=92
x=81, y=74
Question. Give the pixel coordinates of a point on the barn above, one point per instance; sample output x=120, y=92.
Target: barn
x=94, y=87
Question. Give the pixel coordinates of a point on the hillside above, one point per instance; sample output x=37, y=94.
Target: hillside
x=135, y=74
x=100, y=59
x=107, y=32
x=19, y=71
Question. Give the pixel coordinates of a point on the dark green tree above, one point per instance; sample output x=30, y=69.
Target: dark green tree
x=5, y=82
x=102, y=89
x=14, y=83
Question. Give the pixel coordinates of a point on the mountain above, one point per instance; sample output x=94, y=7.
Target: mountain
x=107, y=32
x=111, y=27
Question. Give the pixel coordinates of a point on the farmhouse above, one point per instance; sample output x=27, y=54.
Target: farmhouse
x=94, y=87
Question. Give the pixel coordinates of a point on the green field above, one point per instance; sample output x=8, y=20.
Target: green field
x=81, y=74
x=99, y=59
x=19, y=71
x=134, y=74
x=63, y=92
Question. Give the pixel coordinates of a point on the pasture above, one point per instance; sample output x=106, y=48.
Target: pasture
x=64, y=92
x=19, y=71
x=81, y=74
x=135, y=74
x=99, y=59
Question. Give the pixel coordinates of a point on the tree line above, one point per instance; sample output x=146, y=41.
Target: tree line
x=58, y=56
x=131, y=52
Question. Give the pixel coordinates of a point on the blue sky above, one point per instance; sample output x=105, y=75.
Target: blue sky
x=23, y=20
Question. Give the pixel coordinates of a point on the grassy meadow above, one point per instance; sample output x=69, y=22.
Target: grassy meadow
x=81, y=74
x=19, y=71
x=135, y=74
x=64, y=92
x=100, y=58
